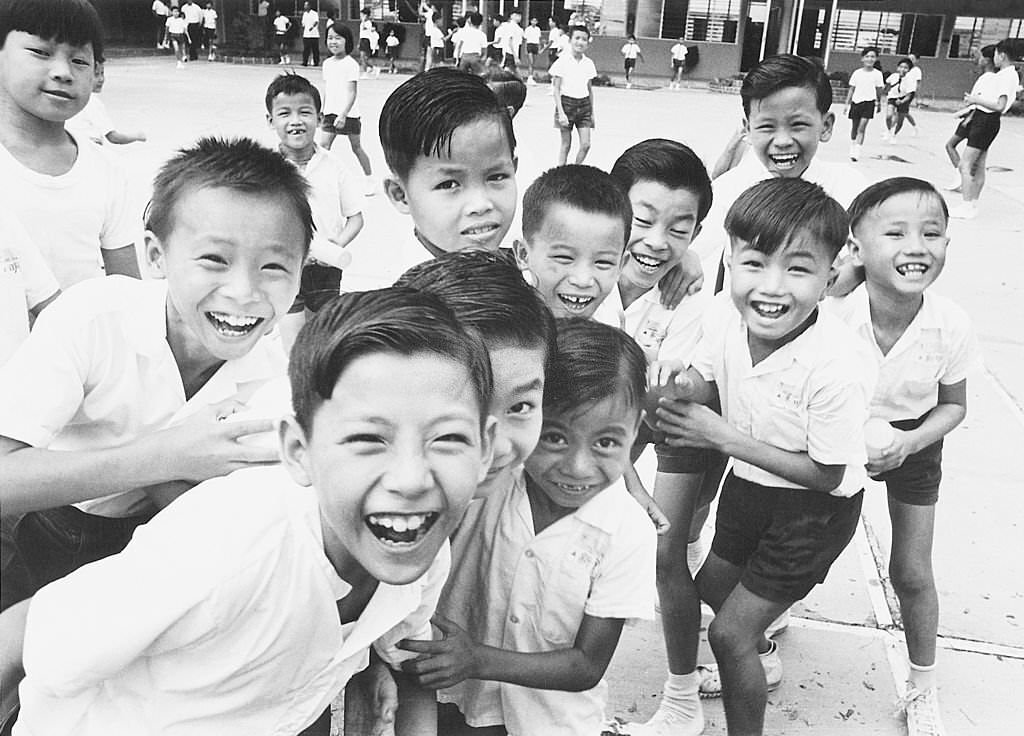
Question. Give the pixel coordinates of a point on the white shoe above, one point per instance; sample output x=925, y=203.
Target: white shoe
x=711, y=680
x=913, y=131
x=954, y=184
x=663, y=723
x=180, y=65
x=965, y=211
x=922, y=711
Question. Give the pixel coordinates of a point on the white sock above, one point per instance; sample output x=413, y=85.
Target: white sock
x=922, y=678
x=680, y=697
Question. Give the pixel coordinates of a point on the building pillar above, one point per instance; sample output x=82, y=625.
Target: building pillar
x=648, y=17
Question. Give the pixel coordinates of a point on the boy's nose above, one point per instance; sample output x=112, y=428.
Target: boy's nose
x=479, y=201
x=578, y=464
x=581, y=276
x=242, y=287
x=772, y=281
x=656, y=238
x=408, y=474
x=60, y=68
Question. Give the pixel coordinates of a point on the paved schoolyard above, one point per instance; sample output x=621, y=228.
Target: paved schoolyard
x=842, y=652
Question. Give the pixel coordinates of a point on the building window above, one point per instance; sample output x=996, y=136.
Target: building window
x=715, y=21
x=971, y=33
x=855, y=30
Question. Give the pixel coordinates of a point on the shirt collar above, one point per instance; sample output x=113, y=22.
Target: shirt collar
x=603, y=511
x=808, y=343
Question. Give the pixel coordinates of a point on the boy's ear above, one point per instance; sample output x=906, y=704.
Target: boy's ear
x=487, y=447
x=521, y=251
x=294, y=453
x=155, y=255
x=853, y=245
x=395, y=191
x=833, y=276
x=828, y=122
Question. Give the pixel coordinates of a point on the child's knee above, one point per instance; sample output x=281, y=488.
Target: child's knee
x=911, y=577
x=727, y=640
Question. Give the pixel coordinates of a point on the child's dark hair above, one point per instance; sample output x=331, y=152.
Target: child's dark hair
x=474, y=18
x=73, y=22
x=507, y=86
x=988, y=52
x=882, y=191
x=592, y=362
x=421, y=116
x=906, y=60
x=782, y=72
x=291, y=84
x=395, y=320
x=668, y=163
x=582, y=29
x=339, y=29
x=772, y=214
x=1007, y=46
x=579, y=186
x=488, y=294
x=240, y=164
x=868, y=50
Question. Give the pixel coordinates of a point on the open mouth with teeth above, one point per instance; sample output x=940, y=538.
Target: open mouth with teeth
x=912, y=269
x=233, y=325
x=575, y=303
x=646, y=264
x=783, y=161
x=401, y=529
x=769, y=310
x=480, y=231
x=572, y=489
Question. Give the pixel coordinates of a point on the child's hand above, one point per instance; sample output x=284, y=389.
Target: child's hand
x=892, y=456
x=371, y=701
x=446, y=661
x=563, y=119
x=686, y=278
x=687, y=424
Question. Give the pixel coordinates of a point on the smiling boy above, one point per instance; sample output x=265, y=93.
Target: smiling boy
x=343, y=548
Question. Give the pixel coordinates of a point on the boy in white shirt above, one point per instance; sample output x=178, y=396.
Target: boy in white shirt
x=547, y=570
x=678, y=54
x=512, y=40
x=794, y=391
x=310, y=35
x=924, y=348
x=344, y=548
x=531, y=34
x=470, y=43
x=210, y=31
x=341, y=107
x=864, y=98
x=282, y=26
x=435, y=36
x=898, y=97
x=572, y=76
x=631, y=54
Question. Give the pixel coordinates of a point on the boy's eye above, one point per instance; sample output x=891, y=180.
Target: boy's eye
x=641, y=222
x=555, y=439
x=799, y=269
x=606, y=264
x=894, y=234
x=608, y=443
x=447, y=184
x=276, y=267
x=521, y=408
x=212, y=258
x=455, y=438
x=363, y=439
x=679, y=233
x=499, y=176
x=81, y=62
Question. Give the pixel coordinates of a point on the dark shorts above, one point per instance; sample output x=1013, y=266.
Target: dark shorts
x=42, y=546
x=671, y=459
x=579, y=112
x=319, y=284
x=629, y=64
x=678, y=63
x=980, y=129
x=862, y=110
x=352, y=126
x=509, y=61
x=785, y=539
x=552, y=56
x=364, y=46
x=470, y=63
x=532, y=48
x=390, y=53
x=902, y=104
x=494, y=53
x=916, y=481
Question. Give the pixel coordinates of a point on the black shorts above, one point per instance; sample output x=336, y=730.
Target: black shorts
x=351, y=126
x=364, y=46
x=509, y=61
x=629, y=64
x=916, y=481
x=862, y=110
x=319, y=284
x=980, y=129
x=579, y=112
x=670, y=459
x=494, y=53
x=532, y=48
x=902, y=104
x=390, y=53
x=678, y=63
x=785, y=539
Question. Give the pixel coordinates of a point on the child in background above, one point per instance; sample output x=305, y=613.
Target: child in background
x=983, y=131
x=282, y=25
x=572, y=77
x=897, y=99
x=631, y=54
x=451, y=150
x=678, y=54
x=435, y=39
x=293, y=112
x=391, y=44
x=794, y=390
x=470, y=43
x=576, y=222
x=864, y=98
x=94, y=121
x=26, y=285
x=342, y=549
x=209, y=31
x=531, y=34
x=366, y=33
x=178, y=33
x=924, y=347
x=546, y=570
x=70, y=195
x=341, y=108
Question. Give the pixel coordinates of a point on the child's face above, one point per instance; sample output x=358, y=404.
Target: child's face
x=775, y=294
x=336, y=43
x=465, y=200
x=868, y=60
x=579, y=42
x=295, y=119
x=232, y=263
x=516, y=404
x=99, y=78
x=664, y=224
x=582, y=452
x=395, y=456
x=902, y=69
x=785, y=128
x=47, y=80
x=576, y=258
x=902, y=244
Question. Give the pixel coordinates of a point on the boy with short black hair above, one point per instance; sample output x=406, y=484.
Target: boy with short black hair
x=794, y=389
x=864, y=98
x=70, y=196
x=572, y=76
x=470, y=42
x=450, y=147
x=631, y=54
x=342, y=549
x=576, y=223
x=546, y=571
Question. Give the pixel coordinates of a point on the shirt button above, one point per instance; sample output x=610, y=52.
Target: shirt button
x=513, y=618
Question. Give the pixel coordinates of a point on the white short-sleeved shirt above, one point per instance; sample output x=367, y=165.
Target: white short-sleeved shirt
x=527, y=592
x=1007, y=83
x=511, y=38
x=985, y=85
x=630, y=50
x=282, y=24
x=436, y=35
x=337, y=74
x=192, y=13
x=71, y=217
x=93, y=122
x=97, y=372
x=898, y=86
x=366, y=29
x=913, y=78
x=679, y=52
x=811, y=395
x=865, y=85
x=575, y=73
x=938, y=347
x=311, y=24
x=672, y=334
x=25, y=283
x=333, y=194
x=210, y=19
x=176, y=25
x=473, y=40
x=532, y=34
x=220, y=618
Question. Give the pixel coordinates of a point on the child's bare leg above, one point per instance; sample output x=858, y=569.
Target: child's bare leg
x=910, y=569
x=564, y=144
x=584, y=148
x=327, y=138
x=951, y=152
x=861, y=129
x=355, y=141
x=900, y=117
x=972, y=173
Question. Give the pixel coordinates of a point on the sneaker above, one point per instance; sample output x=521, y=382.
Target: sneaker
x=711, y=681
x=663, y=723
x=921, y=708
x=966, y=211
x=778, y=625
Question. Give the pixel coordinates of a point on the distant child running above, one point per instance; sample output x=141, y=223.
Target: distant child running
x=341, y=108
x=546, y=571
x=470, y=43
x=531, y=34
x=924, y=347
x=678, y=55
x=572, y=76
x=391, y=44
x=864, y=98
x=631, y=54
x=898, y=97
x=282, y=27
x=366, y=45
x=178, y=33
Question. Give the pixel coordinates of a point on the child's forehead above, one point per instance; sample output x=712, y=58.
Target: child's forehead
x=292, y=99
x=614, y=410
x=75, y=48
x=803, y=242
x=908, y=206
x=562, y=219
x=786, y=101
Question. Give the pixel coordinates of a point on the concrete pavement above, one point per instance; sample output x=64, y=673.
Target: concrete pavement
x=842, y=653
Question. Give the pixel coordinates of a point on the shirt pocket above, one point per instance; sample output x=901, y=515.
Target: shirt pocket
x=784, y=420
x=565, y=596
